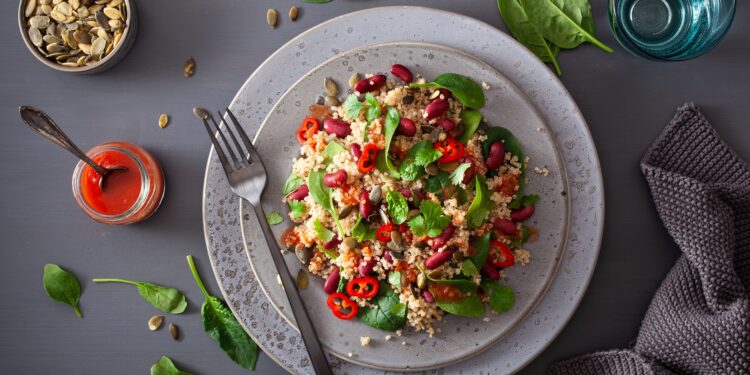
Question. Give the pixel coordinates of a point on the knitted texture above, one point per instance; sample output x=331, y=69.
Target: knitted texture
x=699, y=320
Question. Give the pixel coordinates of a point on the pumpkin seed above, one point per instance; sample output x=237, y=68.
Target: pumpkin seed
x=115, y=24
x=82, y=37
x=115, y=3
x=436, y=133
x=58, y=15
x=101, y=20
x=97, y=46
x=302, y=280
x=346, y=211
x=350, y=243
x=163, y=120
x=46, y=9
x=39, y=22
x=50, y=39
x=271, y=17
x=54, y=47
x=303, y=253
x=435, y=274
x=332, y=101
x=45, y=2
x=396, y=255
x=155, y=322
x=434, y=94
x=74, y=3
x=30, y=8
x=458, y=256
x=293, y=11
x=173, y=331
x=112, y=13
x=35, y=36
x=69, y=64
x=431, y=169
x=396, y=238
x=376, y=194
x=85, y=47
x=448, y=167
x=421, y=280
x=412, y=213
x=332, y=89
x=354, y=79
x=189, y=69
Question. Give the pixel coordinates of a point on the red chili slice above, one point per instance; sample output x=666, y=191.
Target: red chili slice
x=307, y=129
x=500, y=255
x=341, y=306
x=384, y=232
x=362, y=287
x=451, y=149
x=367, y=160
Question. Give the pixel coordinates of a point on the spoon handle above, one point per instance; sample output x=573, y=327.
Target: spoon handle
x=41, y=123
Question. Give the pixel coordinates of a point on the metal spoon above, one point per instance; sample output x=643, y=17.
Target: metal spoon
x=41, y=123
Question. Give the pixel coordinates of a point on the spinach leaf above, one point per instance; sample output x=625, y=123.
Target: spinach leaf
x=298, y=208
x=523, y=30
x=464, y=285
x=363, y=232
x=482, y=246
x=169, y=300
x=566, y=23
x=523, y=201
x=398, y=208
x=419, y=155
x=462, y=87
x=501, y=297
x=291, y=184
x=470, y=306
x=62, y=286
x=342, y=282
x=394, y=278
x=165, y=367
x=468, y=268
x=383, y=315
x=392, y=118
x=457, y=176
x=471, y=119
x=431, y=222
x=352, y=107
x=512, y=145
x=329, y=253
x=274, y=218
x=322, y=195
x=223, y=327
x=398, y=309
x=437, y=182
x=323, y=234
x=332, y=149
x=481, y=206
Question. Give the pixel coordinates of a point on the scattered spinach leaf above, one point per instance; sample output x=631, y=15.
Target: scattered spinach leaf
x=481, y=206
x=394, y=278
x=383, y=315
x=322, y=195
x=62, y=286
x=464, y=285
x=398, y=208
x=224, y=328
x=501, y=297
x=523, y=30
x=457, y=176
x=468, y=268
x=566, y=23
x=471, y=119
x=342, y=282
x=298, y=208
x=291, y=184
x=362, y=231
x=323, y=234
x=274, y=218
x=470, y=306
x=329, y=253
x=169, y=300
x=482, y=246
x=332, y=149
x=462, y=87
x=392, y=118
x=165, y=366
x=398, y=309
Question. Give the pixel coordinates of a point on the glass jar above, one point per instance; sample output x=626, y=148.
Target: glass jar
x=129, y=195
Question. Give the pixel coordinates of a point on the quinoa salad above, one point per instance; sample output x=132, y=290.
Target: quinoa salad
x=407, y=203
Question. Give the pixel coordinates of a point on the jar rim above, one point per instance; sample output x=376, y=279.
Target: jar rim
x=139, y=203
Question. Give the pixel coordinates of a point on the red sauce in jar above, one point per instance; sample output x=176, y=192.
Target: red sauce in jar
x=121, y=187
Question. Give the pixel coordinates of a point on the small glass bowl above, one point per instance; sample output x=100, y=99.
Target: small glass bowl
x=152, y=185
x=670, y=30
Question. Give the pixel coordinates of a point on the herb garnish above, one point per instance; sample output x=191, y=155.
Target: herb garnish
x=169, y=300
x=471, y=119
x=62, y=286
x=387, y=313
x=419, y=155
x=457, y=176
x=481, y=206
x=322, y=196
x=274, y=218
x=298, y=208
x=291, y=184
x=165, y=366
x=363, y=232
x=431, y=222
x=323, y=234
x=462, y=87
x=224, y=328
x=332, y=149
x=392, y=118
x=501, y=297
x=398, y=208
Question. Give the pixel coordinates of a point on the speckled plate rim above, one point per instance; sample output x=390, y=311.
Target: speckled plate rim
x=570, y=123
x=549, y=277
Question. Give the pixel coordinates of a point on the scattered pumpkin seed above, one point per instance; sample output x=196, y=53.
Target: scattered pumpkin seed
x=293, y=11
x=302, y=280
x=332, y=101
x=421, y=280
x=332, y=89
x=155, y=322
x=431, y=169
x=303, y=253
x=189, y=69
x=376, y=194
x=173, y=331
x=163, y=120
x=354, y=79
x=448, y=167
x=271, y=17
x=350, y=243
x=346, y=211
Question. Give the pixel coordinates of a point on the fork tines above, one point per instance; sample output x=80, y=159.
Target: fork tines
x=225, y=150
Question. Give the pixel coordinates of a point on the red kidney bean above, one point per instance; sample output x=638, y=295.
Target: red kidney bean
x=428, y=297
x=356, y=150
x=505, y=227
x=335, y=179
x=438, y=259
x=469, y=173
x=299, y=194
x=335, y=241
x=443, y=238
x=373, y=83
x=490, y=271
x=496, y=155
x=387, y=256
x=446, y=94
x=336, y=126
x=406, y=127
x=403, y=73
x=436, y=108
x=405, y=192
x=332, y=282
x=365, y=205
x=420, y=194
x=522, y=214
x=365, y=267
x=446, y=124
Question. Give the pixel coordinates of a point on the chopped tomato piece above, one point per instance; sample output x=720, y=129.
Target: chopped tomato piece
x=307, y=129
x=341, y=306
x=362, y=287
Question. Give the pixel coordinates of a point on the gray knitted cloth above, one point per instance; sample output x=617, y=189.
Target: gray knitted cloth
x=699, y=319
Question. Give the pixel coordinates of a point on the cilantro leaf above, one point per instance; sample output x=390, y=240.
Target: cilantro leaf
x=434, y=219
x=417, y=225
x=274, y=218
x=419, y=155
x=398, y=208
x=523, y=201
x=437, y=182
x=352, y=107
x=297, y=208
x=457, y=176
x=481, y=206
x=394, y=278
x=468, y=268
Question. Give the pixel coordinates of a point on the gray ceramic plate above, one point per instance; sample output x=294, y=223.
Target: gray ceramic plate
x=461, y=338
x=260, y=92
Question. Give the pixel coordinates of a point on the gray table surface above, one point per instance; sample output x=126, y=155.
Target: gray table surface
x=626, y=101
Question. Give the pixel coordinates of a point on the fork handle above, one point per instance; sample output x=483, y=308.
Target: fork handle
x=317, y=356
